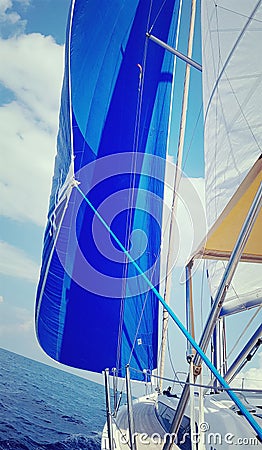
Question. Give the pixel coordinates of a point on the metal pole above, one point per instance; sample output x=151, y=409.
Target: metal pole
x=175, y=52
x=218, y=303
x=146, y=380
x=189, y=311
x=178, y=173
x=220, y=349
x=115, y=388
x=131, y=426
x=253, y=343
x=108, y=410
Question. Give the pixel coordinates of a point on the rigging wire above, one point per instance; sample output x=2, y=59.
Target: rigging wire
x=244, y=331
x=228, y=59
x=170, y=358
x=206, y=386
x=131, y=199
x=157, y=16
x=146, y=296
x=132, y=193
x=225, y=362
x=187, y=151
x=202, y=294
x=238, y=13
x=241, y=109
x=216, y=107
x=177, y=179
x=135, y=150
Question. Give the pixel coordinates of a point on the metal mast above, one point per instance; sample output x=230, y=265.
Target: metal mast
x=170, y=255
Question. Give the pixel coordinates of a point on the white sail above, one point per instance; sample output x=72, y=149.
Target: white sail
x=232, y=88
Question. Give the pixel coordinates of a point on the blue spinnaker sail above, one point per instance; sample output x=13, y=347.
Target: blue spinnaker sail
x=93, y=310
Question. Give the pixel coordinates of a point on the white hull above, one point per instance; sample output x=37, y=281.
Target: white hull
x=223, y=428
x=149, y=431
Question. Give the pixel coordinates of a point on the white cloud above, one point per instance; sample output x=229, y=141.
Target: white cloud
x=250, y=378
x=253, y=378
x=10, y=20
x=5, y=14
x=24, y=2
x=17, y=328
x=16, y=263
x=1, y=299
x=31, y=67
x=16, y=319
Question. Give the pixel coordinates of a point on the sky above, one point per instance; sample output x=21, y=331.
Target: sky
x=32, y=34
x=31, y=71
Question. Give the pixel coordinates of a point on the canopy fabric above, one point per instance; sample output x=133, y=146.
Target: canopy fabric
x=222, y=237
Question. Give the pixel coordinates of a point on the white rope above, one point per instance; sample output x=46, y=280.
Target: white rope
x=244, y=331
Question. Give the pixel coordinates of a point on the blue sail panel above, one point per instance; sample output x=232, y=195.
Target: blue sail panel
x=93, y=310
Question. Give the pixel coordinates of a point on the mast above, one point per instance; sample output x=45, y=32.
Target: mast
x=217, y=306
x=170, y=256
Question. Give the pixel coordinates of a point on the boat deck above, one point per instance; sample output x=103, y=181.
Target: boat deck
x=149, y=432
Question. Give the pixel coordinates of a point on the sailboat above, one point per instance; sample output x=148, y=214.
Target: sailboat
x=109, y=235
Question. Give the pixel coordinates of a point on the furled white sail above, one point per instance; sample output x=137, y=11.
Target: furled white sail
x=232, y=87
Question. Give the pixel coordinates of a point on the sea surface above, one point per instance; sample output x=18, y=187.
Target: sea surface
x=43, y=408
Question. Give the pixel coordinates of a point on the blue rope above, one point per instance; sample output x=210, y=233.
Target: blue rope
x=209, y=364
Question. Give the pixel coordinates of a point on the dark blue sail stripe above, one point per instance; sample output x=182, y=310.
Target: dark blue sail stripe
x=93, y=310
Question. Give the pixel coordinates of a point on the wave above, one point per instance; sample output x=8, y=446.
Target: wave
x=73, y=419
x=74, y=442
x=45, y=409
x=11, y=444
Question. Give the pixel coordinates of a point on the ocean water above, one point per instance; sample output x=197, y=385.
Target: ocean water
x=43, y=408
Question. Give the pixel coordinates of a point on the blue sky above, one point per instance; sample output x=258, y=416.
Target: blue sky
x=31, y=49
